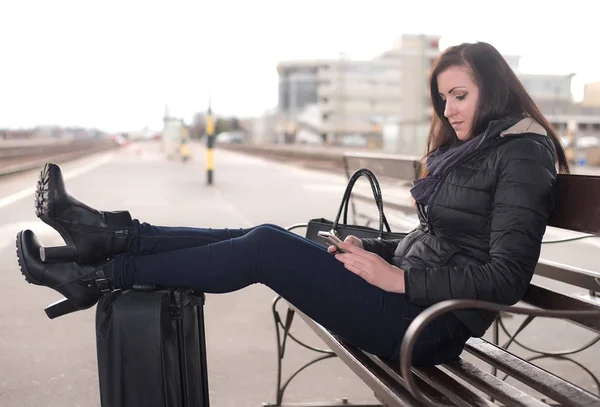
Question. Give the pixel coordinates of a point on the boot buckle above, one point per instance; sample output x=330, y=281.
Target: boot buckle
x=104, y=284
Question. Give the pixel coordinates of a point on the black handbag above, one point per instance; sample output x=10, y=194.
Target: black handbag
x=344, y=229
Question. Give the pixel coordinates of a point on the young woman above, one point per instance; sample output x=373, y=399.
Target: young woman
x=483, y=204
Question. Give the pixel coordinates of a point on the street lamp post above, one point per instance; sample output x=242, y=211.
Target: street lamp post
x=210, y=143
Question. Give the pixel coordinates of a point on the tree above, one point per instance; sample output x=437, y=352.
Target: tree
x=234, y=123
x=222, y=125
x=198, y=126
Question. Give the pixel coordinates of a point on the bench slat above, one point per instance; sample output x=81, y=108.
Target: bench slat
x=492, y=385
x=568, y=274
x=384, y=165
x=448, y=386
x=535, y=377
x=547, y=298
x=451, y=388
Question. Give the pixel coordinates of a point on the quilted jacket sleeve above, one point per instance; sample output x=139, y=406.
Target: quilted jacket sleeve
x=384, y=248
x=523, y=201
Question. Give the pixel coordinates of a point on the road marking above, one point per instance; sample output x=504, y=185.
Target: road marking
x=336, y=188
x=67, y=175
x=45, y=233
x=234, y=210
x=155, y=203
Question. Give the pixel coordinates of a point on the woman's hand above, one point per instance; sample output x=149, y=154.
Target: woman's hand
x=353, y=240
x=372, y=268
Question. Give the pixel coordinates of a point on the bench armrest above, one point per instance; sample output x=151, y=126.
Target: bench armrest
x=434, y=311
x=296, y=226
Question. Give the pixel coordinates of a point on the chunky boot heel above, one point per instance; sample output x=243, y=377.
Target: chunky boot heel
x=59, y=254
x=60, y=308
x=82, y=285
x=96, y=235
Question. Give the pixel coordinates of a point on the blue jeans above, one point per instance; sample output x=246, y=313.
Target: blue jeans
x=300, y=270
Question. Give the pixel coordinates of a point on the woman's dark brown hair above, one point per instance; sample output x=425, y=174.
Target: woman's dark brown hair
x=501, y=94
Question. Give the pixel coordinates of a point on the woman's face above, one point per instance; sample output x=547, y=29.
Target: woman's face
x=461, y=96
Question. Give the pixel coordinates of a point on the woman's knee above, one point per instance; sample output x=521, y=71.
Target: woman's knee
x=272, y=237
x=267, y=231
x=270, y=231
x=272, y=226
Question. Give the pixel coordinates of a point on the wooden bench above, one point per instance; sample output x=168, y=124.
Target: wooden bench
x=465, y=383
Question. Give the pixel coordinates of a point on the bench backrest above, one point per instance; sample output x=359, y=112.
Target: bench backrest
x=577, y=204
x=577, y=208
x=397, y=167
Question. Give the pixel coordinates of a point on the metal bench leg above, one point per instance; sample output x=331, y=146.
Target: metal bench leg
x=282, y=332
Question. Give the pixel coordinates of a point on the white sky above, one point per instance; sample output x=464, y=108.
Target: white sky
x=115, y=64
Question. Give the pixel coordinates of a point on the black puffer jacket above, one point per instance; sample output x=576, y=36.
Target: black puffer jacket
x=480, y=237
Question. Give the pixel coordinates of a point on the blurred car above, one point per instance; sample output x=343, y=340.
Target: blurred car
x=230, y=137
x=119, y=140
x=587, y=142
x=355, y=140
x=582, y=142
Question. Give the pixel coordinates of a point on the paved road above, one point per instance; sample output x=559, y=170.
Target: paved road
x=53, y=363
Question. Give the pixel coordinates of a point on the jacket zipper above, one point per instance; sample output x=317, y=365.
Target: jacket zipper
x=432, y=197
x=430, y=201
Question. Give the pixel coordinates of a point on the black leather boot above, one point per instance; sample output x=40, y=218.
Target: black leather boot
x=82, y=285
x=91, y=235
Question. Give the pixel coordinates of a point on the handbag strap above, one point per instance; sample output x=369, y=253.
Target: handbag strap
x=376, y=189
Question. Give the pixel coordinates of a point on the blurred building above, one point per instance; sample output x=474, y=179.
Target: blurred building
x=589, y=111
x=357, y=96
x=262, y=129
x=297, y=89
x=591, y=95
x=414, y=55
x=13, y=134
x=552, y=94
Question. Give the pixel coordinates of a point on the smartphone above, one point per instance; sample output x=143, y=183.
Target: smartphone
x=332, y=240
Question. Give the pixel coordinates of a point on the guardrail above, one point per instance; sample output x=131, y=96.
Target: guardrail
x=22, y=155
x=331, y=157
x=322, y=157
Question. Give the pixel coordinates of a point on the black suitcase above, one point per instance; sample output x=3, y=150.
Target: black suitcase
x=151, y=349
